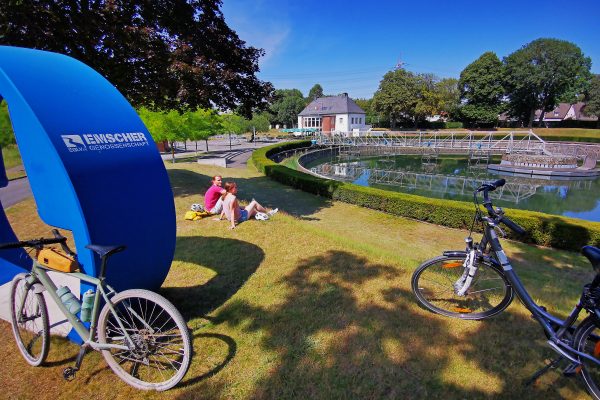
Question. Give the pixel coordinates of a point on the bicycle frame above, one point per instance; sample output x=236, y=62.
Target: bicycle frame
x=553, y=326
x=39, y=273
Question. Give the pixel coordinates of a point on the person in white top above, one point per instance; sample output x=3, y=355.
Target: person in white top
x=232, y=210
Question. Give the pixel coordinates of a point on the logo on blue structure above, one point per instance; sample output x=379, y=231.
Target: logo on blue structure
x=104, y=141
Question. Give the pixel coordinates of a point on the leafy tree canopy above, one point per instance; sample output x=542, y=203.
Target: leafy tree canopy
x=541, y=73
x=168, y=54
x=405, y=95
x=315, y=92
x=593, y=97
x=287, y=104
x=481, y=89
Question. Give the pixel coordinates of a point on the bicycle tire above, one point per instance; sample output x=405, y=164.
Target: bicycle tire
x=30, y=325
x=163, y=349
x=587, y=340
x=433, y=285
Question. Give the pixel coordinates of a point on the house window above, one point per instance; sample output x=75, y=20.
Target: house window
x=341, y=120
x=352, y=120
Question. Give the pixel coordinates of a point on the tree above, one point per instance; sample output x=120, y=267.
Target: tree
x=202, y=124
x=315, y=92
x=481, y=90
x=396, y=96
x=593, y=97
x=540, y=73
x=428, y=97
x=449, y=96
x=287, y=104
x=404, y=95
x=160, y=54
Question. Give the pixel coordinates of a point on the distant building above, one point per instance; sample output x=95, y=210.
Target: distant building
x=334, y=113
x=565, y=112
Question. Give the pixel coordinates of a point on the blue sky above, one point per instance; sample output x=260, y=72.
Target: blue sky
x=347, y=46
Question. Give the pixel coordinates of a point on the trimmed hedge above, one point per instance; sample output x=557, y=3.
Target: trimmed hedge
x=542, y=229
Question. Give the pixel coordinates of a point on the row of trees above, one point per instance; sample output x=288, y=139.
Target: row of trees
x=538, y=76
x=198, y=125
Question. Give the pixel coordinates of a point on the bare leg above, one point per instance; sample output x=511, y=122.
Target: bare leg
x=256, y=206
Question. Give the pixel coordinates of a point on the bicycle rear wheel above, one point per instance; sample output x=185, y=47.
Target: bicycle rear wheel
x=29, y=317
x=587, y=340
x=434, y=285
x=161, y=350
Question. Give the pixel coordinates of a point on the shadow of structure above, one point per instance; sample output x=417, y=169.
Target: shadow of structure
x=347, y=331
x=231, y=272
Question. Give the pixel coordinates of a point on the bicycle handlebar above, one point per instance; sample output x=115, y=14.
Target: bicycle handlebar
x=36, y=243
x=487, y=204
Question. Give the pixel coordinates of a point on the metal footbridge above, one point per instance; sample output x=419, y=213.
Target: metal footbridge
x=514, y=191
x=525, y=142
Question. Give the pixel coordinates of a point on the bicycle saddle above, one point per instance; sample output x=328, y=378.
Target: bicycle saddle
x=593, y=254
x=105, y=251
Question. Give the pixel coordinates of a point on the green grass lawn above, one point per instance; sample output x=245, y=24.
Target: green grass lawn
x=12, y=160
x=316, y=303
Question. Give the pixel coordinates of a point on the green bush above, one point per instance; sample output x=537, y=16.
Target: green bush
x=542, y=229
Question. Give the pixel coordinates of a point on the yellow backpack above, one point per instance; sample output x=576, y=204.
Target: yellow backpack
x=196, y=215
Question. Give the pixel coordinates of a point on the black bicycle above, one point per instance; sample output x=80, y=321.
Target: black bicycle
x=480, y=282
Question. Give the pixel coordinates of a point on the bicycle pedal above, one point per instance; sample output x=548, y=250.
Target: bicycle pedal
x=69, y=373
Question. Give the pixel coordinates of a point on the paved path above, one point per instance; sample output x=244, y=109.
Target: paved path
x=16, y=191
x=235, y=156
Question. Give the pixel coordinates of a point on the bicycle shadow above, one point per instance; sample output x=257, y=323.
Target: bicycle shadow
x=233, y=262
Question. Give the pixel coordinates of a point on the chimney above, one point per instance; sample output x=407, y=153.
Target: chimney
x=344, y=94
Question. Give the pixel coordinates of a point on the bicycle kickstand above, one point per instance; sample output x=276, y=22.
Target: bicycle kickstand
x=70, y=372
x=551, y=365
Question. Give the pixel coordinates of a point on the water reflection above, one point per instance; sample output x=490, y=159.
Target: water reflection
x=453, y=177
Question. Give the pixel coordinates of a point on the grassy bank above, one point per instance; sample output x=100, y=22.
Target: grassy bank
x=316, y=303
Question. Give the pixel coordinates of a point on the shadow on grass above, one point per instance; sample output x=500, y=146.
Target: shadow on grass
x=231, y=351
x=345, y=332
x=267, y=192
x=233, y=261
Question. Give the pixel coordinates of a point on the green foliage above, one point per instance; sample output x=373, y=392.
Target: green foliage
x=287, y=104
x=593, y=97
x=172, y=54
x=260, y=122
x=7, y=135
x=315, y=92
x=233, y=123
x=396, y=95
x=542, y=229
x=541, y=73
x=481, y=90
x=403, y=95
x=450, y=96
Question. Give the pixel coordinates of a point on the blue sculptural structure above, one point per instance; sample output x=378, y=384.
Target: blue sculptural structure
x=92, y=165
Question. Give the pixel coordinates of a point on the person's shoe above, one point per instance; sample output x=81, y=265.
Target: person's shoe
x=261, y=216
x=273, y=212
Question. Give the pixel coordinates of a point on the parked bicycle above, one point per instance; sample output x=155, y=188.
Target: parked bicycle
x=480, y=282
x=142, y=336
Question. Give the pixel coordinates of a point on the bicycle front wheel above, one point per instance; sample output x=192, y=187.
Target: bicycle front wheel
x=587, y=340
x=159, y=347
x=29, y=317
x=437, y=282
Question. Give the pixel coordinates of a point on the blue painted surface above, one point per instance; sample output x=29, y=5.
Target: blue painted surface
x=92, y=166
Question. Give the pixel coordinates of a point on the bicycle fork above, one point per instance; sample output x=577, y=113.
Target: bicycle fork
x=462, y=285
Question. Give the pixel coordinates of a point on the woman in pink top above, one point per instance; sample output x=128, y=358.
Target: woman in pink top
x=213, y=201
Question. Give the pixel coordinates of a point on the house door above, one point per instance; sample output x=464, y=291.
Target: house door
x=328, y=124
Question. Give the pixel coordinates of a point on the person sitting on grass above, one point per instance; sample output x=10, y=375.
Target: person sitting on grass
x=213, y=202
x=236, y=214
